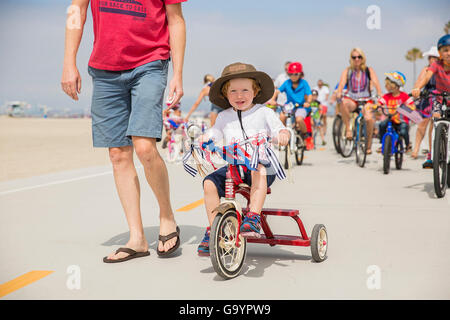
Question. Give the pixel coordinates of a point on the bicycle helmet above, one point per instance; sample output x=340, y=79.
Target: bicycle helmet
x=295, y=67
x=433, y=52
x=396, y=77
x=444, y=41
x=314, y=92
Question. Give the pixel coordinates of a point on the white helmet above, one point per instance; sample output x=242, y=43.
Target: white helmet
x=433, y=52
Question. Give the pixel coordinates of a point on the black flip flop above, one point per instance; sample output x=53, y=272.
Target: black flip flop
x=132, y=254
x=164, y=239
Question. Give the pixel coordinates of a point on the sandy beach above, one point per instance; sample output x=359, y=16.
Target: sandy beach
x=36, y=146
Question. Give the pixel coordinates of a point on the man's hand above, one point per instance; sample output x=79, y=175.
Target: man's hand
x=283, y=137
x=175, y=91
x=71, y=81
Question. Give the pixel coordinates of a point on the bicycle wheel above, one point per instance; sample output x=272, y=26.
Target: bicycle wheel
x=440, y=160
x=361, y=143
x=400, y=146
x=387, y=154
x=300, y=150
x=448, y=175
x=336, y=125
x=345, y=145
x=227, y=259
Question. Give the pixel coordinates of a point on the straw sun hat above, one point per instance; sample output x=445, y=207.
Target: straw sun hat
x=241, y=70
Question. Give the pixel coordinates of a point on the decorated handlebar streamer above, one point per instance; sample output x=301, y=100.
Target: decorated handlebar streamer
x=235, y=154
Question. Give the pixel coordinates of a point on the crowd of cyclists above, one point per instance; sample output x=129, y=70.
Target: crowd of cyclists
x=358, y=91
x=358, y=81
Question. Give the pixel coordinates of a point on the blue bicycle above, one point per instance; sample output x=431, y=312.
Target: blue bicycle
x=359, y=133
x=391, y=144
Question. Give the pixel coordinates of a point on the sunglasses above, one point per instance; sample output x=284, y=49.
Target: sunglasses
x=294, y=74
x=356, y=57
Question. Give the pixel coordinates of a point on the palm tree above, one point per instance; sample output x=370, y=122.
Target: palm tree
x=447, y=28
x=412, y=55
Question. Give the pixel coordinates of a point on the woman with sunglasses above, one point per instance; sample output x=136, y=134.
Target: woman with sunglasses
x=359, y=79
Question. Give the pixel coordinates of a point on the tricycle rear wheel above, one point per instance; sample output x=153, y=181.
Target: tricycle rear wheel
x=319, y=243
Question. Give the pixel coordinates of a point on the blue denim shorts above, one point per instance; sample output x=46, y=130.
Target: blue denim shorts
x=216, y=109
x=127, y=103
x=218, y=178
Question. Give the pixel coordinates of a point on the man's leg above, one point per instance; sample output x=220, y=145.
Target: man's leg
x=157, y=177
x=128, y=189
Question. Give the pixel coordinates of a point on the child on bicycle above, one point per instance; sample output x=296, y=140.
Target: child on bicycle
x=241, y=91
x=392, y=100
x=317, y=115
x=297, y=92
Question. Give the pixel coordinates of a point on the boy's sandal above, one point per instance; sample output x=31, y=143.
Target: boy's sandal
x=164, y=239
x=132, y=254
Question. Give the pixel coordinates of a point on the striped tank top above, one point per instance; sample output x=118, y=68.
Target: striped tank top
x=358, y=87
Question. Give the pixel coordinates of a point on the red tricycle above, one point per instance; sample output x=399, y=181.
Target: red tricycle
x=227, y=246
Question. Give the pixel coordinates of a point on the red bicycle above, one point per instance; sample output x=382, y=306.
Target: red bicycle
x=228, y=247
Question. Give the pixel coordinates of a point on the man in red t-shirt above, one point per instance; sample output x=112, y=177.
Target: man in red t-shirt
x=134, y=41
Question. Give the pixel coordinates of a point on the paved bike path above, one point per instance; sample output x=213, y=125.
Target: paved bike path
x=388, y=237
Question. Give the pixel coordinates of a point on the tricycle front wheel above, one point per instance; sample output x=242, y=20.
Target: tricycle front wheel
x=227, y=258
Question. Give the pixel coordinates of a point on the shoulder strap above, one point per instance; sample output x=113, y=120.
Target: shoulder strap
x=239, y=114
x=349, y=74
x=368, y=79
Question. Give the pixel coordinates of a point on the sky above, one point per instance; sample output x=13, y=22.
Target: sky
x=261, y=32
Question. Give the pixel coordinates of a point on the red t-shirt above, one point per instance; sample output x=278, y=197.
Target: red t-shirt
x=442, y=77
x=394, y=102
x=129, y=33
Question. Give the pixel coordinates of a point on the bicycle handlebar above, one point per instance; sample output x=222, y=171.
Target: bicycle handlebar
x=384, y=109
x=243, y=142
x=365, y=99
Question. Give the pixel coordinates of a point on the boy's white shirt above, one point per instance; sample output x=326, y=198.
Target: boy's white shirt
x=257, y=120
